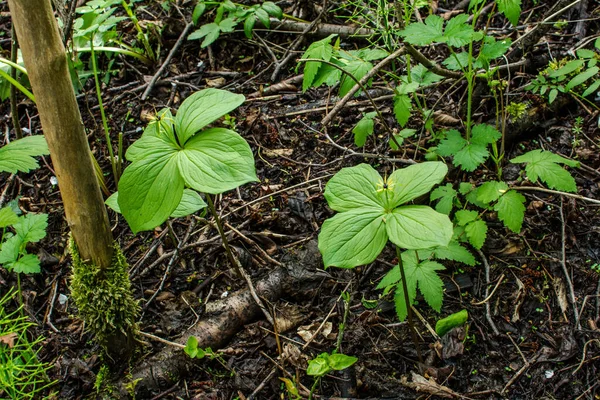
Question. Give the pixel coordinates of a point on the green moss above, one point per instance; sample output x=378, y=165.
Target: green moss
x=103, y=295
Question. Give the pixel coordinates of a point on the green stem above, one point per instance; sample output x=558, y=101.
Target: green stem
x=139, y=29
x=17, y=85
x=314, y=387
x=103, y=115
x=14, y=111
x=411, y=324
x=213, y=211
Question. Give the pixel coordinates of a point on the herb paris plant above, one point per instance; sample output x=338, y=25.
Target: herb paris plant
x=175, y=152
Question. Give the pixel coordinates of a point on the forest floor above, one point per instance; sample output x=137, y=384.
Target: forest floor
x=522, y=339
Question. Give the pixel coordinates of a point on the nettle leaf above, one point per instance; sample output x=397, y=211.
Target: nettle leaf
x=370, y=54
x=7, y=217
x=402, y=108
x=354, y=188
x=352, y=238
x=446, y=196
x=413, y=181
x=545, y=166
x=203, y=108
x=511, y=10
x=463, y=217
x=455, y=252
x=511, y=210
x=418, y=227
x=476, y=232
x=216, y=160
x=17, y=156
x=423, y=34
x=150, y=189
x=491, y=191
x=31, y=228
x=458, y=33
x=322, y=50
x=358, y=68
x=363, y=129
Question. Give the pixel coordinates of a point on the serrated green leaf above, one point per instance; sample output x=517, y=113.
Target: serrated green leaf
x=582, y=77
x=355, y=188
x=463, y=217
x=31, y=228
x=7, y=217
x=423, y=34
x=413, y=181
x=328, y=75
x=189, y=204
x=10, y=250
x=392, y=277
x=17, y=156
x=544, y=165
x=362, y=130
x=476, y=231
x=370, y=54
x=511, y=10
x=458, y=61
x=400, y=301
x=402, y=108
x=27, y=264
x=484, y=134
x=216, y=160
x=272, y=9
x=511, y=210
x=491, y=191
x=150, y=189
x=452, y=321
x=471, y=157
x=458, y=32
x=429, y=283
x=455, y=252
x=203, y=108
x=446, y=196
x=493, y=49
x=418, y=227
x=352, y=238
x=452, y=144
x=358, y=69
x=321, y=50
x=421, y=75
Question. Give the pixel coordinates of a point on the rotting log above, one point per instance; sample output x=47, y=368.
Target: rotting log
x=166, y=368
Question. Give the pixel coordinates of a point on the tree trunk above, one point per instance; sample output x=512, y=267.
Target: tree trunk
x=46, y=62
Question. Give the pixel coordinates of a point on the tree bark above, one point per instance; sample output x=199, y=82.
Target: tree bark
x=46, y=62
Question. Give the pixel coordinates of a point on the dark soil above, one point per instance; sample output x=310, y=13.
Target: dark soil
x=541, y=351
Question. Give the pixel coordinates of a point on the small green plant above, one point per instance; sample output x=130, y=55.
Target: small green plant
x=324, y=363
x=577, y=77
x=193, y=351
x=468, y=154
x=30, y=228
x=18, y=155
x=174, y=153
x=545, y=165
x=22, y=374
x=452, y=321
x=228, y=16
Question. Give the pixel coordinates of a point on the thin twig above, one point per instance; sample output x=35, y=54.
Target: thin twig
x=563, y=264
x=488, y=311
x=165, y=64
x=541, y=189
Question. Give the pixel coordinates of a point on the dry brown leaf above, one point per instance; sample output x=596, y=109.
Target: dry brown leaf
x=445, y=119
x=216, y=82
x=277, y=152
x=519, y=297
x=9, y=339
x=421, y=384
x=561, y=294
x=306, y=332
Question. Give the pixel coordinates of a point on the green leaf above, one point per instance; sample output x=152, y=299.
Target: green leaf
x=552, y=95
x=7, y=217
x=569, y=67
x=10, y=250
x=203, y=108
x=17, y=156
x=421, y=75
x=339, y=362
x=321, y=50
x=582, y=77
x=400, y=301
x=458, y=32
x=471, y=157
x=452, y=321
x=328, y=75
x=191, y=347
x=491, y=191
x=216, y=160
x=511, y=10
x=423, y=34
x=484, y=134
x=411, y=182
x=402, y=108
x=511, y=210
x=318, y=366
x=189, y=204
x=591, y=89
x=370, y=54
x=446, y=195
x=545, y=166
x=403, y=134
x=150, y=189
x=263, y=17
x=210, y=33
x=418, y=227
x=455, y=252
x=452, y=144
x=27, y=264
x=493, y=49
x=476, y=233
x=272, y=9
x=457, y=61
x=249, y=25
x=31, y=228
x=198, y=11
x=354, y=188
x=392, y=277
x=358, y=69
x=363, y=129
x=352, y=238
x=429, y=283
x=463, y=217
